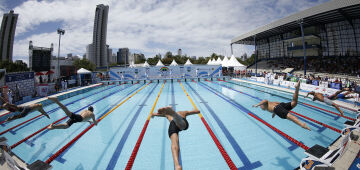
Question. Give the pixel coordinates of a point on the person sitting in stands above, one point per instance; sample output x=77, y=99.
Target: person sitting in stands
x=84, y=116
x=178, y=123
x=283, y=109
x=24, y=110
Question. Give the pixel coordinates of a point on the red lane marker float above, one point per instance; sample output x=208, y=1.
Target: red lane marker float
x=28, y=137
x=131, y=160
x=223, y=152
x=313, y=120
x=280, y=132
x=1, y=133
x=60, y=151
x=323, y=124
x=35, y=133
x=4, y=115
x=346, y=117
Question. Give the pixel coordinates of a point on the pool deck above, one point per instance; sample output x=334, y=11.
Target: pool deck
x=345, y=105
x=45, y=98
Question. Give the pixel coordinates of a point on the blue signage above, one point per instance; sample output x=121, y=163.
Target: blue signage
x=19, y=76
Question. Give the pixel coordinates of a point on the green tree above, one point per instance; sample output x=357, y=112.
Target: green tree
x=14, y=67
x=139, y=58
x=168, y=54
x=84, y=63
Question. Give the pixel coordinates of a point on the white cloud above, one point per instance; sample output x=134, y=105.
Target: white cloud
x=199, y=27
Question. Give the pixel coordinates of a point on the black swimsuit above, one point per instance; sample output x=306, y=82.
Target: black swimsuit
x=74, y=118
x=175, y=129
x=282, y=109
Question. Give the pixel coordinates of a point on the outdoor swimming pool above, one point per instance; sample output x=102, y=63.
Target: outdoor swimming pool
x=227, y=121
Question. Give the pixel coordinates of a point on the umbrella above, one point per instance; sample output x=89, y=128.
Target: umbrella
x=49, y=72
x=39, y=74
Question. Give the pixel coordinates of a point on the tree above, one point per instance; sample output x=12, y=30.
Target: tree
x=14, y=67
x=168, y=54
x=139, y=58
x=84, y=63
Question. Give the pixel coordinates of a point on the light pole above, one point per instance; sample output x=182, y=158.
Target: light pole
x=301, y=22
x=60, y=32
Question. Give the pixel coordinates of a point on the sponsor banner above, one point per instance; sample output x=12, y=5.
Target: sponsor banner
x=276, y=82
x=165, y=72
x=43, y=90
x=261, y=79
x=19, y=76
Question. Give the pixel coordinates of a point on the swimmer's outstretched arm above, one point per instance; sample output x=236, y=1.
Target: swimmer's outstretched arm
x=312, y=93
x=261, y=103
x=157, y=114
x=94, y=120
x=195, y=111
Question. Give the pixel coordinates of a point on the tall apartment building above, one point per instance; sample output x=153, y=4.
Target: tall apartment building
x=123, y=56
x=97, y=51
x=7, y=34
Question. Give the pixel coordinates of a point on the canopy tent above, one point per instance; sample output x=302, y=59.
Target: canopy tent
x=39, y=74
x=233, y=62
x=159, y=63
x=209, y=62
x=173, y=63
x=146, y=64
x=188, y=62
x=49, y=72
x=225, y=61
x=218, y=61
x=83, y=71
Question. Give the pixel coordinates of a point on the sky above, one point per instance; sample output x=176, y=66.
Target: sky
x=198, y=27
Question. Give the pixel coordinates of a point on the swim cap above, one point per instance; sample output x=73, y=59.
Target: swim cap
x=91, y=108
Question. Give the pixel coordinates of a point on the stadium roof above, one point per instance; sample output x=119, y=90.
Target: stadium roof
x=333, y=11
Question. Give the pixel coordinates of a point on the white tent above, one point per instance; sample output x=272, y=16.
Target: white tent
x=218, y=61
x=225, y=61
x=212, y=62
x=146, y=64
x=83, y=71
x=173, y=63
x=188, y=62
x=159, y=63
x=233, y=62
x=209, y=62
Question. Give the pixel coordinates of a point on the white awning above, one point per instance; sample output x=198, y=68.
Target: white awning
x=83, y=71
x=188, y=62
x=146, y=64
x=233, y=62
x=225, y=61
x=173, y=63
x=218, y=61
x=159, y=63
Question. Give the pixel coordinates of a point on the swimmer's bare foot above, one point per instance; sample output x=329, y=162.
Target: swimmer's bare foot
x=45, y=114
x=297, y=86
x=51, y=126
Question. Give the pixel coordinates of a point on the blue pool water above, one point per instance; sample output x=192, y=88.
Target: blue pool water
x=249, y=143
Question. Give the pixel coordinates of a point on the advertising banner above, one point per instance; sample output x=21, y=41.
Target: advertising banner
x=43, y=90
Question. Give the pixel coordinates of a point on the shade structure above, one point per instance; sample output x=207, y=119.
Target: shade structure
x=146, y=64
x=218, y=61
x=233, y=62
x=225, y=61
x=49, y=72
x=209, y=62
x=188, y=62
x=173, y=63
x=83, y=71
x=159, y=63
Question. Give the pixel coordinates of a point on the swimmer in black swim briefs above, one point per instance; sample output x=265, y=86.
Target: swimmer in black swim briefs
x=178, y=123
x=283, y=109
x=24, y=110
x=84, y=116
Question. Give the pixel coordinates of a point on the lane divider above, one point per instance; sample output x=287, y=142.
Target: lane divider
x=242, y=108
x=240, y=153
x=303, y=103
x=124, y=137
x=48, y=161
x=11, y=112
x=223, y=152
x=51, y=111
x=308, y=118
x=61, y=119
x=131, y=160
